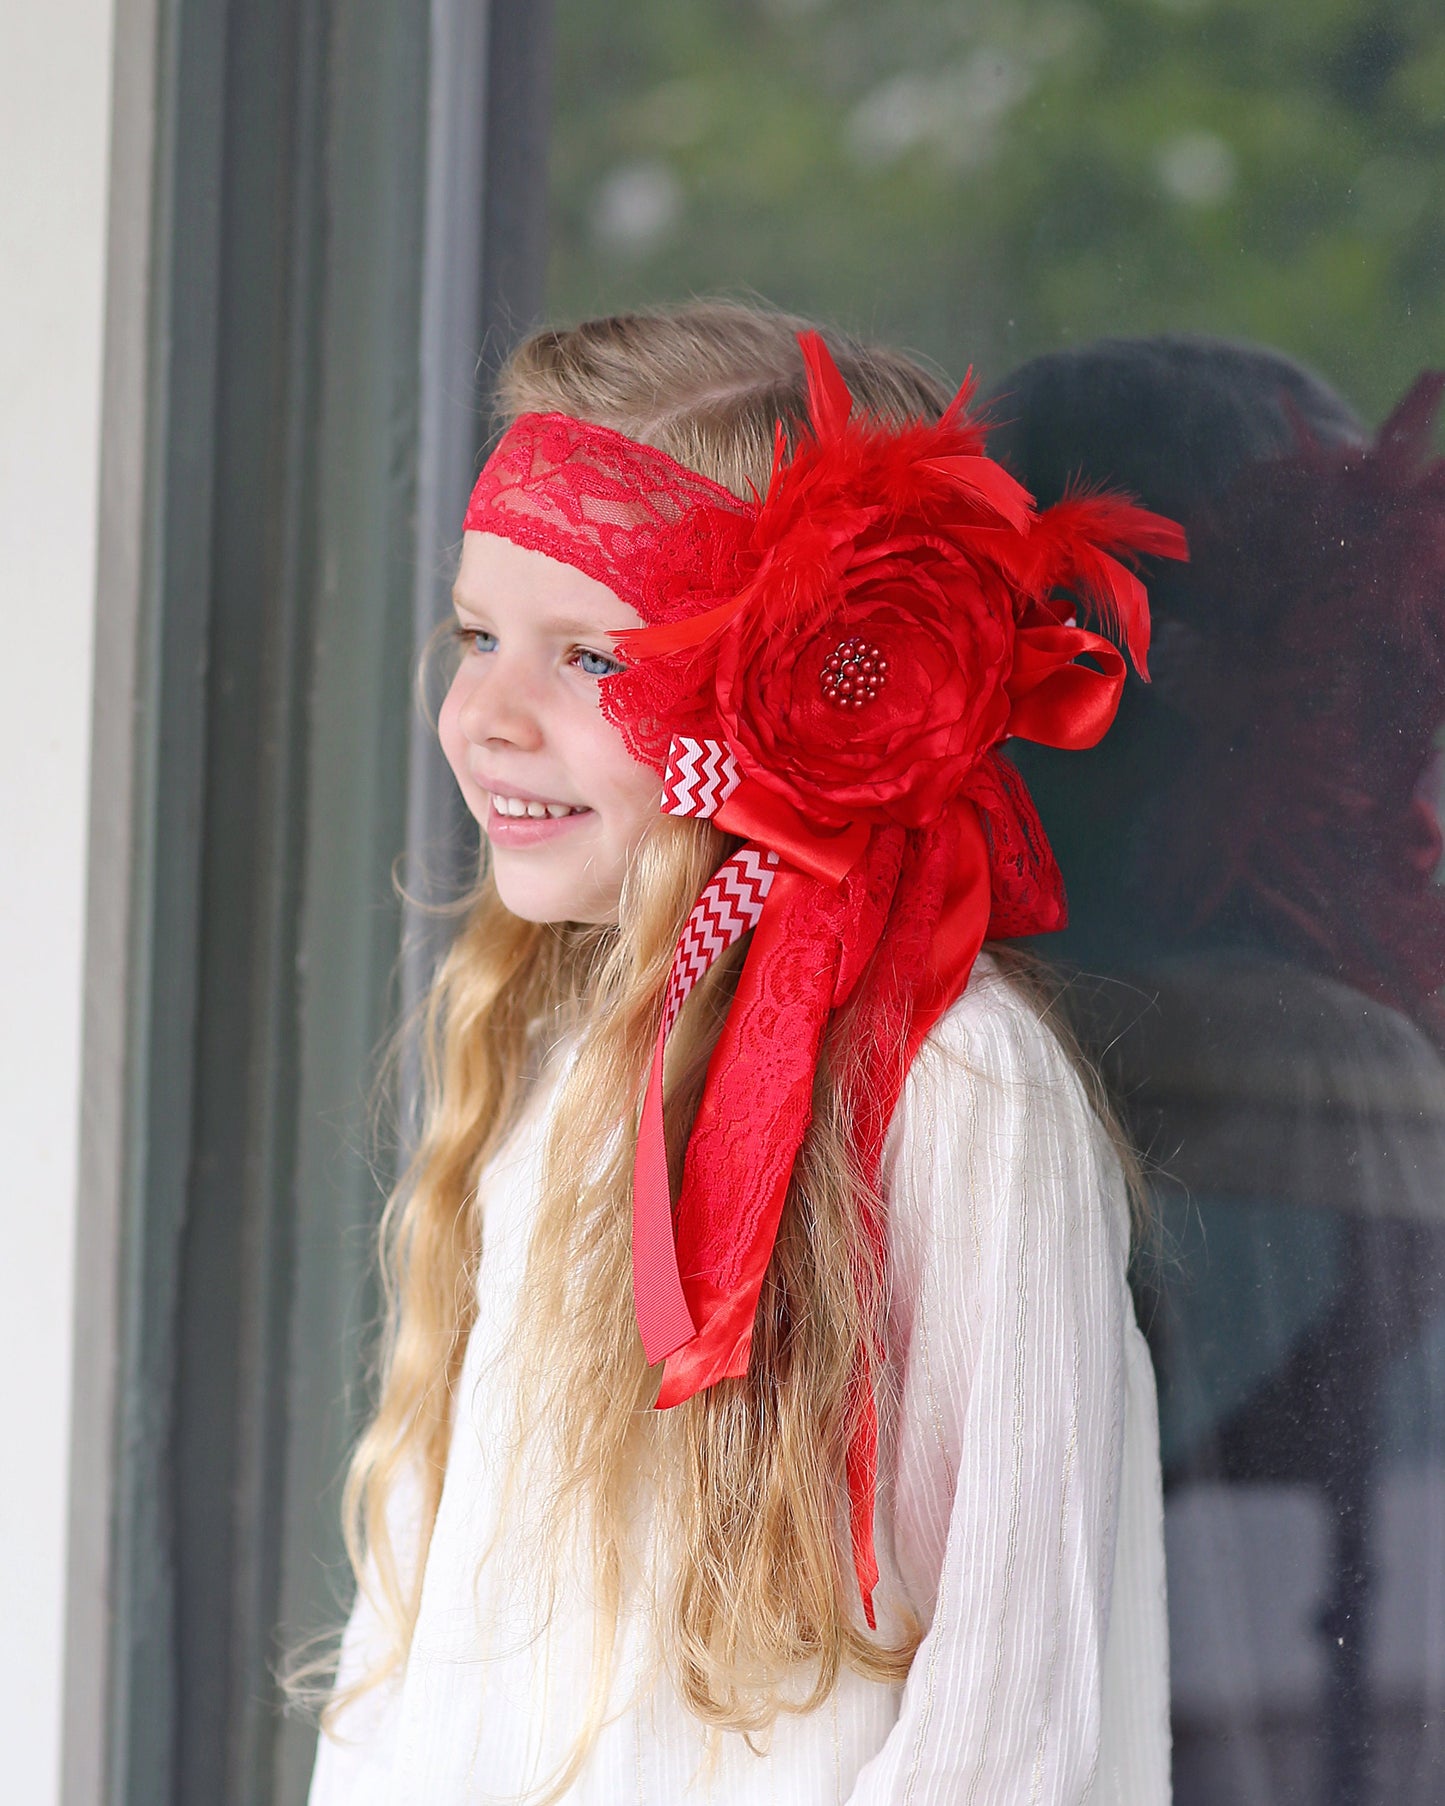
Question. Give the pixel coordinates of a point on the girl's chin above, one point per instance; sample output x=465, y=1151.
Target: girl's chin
x=542, y=910
x=534, y=897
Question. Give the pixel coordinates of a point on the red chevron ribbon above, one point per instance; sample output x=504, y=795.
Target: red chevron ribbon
x=730, y=904
x=700, y=777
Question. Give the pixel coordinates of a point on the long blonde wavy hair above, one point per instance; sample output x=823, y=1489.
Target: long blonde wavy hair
x=746, y=1477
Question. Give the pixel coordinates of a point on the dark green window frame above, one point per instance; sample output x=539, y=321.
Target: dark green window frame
x=320, y=212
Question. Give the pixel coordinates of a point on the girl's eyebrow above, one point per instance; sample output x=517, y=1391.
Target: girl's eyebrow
x=566, y=625
x=582, y=630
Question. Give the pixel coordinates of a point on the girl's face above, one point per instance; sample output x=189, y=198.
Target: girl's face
x=561, y=800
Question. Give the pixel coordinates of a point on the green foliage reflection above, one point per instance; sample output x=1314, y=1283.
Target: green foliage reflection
x=987, y=180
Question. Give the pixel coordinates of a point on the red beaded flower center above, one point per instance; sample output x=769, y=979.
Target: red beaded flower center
x=853, y=673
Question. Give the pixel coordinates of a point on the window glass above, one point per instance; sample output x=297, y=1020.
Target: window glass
x=987, y=180
x=1247, y=202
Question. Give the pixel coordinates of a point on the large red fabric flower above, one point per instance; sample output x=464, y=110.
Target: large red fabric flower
x=880, y=710
x=872, y=653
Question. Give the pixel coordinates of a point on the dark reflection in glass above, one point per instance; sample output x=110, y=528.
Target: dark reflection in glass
x=1250, y=854
x=1258, y=937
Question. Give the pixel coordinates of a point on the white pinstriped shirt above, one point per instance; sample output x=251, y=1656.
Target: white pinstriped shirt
x=1019, y=1511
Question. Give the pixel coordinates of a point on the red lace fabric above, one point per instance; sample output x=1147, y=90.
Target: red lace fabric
x=659, y=536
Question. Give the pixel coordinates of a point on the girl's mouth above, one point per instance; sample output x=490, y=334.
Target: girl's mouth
x=513, y=822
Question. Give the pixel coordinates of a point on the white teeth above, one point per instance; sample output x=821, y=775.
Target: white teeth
x=515, y=806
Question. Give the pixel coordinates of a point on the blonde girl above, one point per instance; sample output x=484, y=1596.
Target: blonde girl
x=762, y=1414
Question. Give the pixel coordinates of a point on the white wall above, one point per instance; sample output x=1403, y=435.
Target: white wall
x=55, y=80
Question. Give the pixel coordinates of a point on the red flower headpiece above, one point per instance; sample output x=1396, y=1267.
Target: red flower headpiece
x=828, y=671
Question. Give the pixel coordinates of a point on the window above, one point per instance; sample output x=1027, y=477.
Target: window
x=1258, y=937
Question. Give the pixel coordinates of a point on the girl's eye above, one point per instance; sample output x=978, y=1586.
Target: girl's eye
x=597, y=664
x=475, y=639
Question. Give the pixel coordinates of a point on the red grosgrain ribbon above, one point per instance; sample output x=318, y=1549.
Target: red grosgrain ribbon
x=697, y=1280
x=701, y=775
x=923, y=980
x=749, y=1126
x=730, y=904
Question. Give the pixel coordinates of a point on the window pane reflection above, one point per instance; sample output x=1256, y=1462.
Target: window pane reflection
x=1254, y=869
x=1253, y=856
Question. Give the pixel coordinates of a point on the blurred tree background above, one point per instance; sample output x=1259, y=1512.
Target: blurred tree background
x=981, y=180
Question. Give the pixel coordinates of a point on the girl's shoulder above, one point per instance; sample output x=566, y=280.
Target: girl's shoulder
x=1000, y=1034
x=995, y=1097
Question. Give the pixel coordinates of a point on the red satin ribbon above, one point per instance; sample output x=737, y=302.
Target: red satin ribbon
x=955, y=944
x=762, y=815
x=707, y=1310
x=663, y=1316
x=1055, y=701
x=724, y=1304
x=723, y=1307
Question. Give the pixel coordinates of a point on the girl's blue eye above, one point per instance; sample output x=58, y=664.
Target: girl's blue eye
x=597, y=664
x=471, y=638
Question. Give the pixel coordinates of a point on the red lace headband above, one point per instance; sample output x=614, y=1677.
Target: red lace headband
x=828, y=671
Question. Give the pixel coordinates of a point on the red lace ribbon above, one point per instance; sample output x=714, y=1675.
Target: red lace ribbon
x=730, y=904
x=819, y=908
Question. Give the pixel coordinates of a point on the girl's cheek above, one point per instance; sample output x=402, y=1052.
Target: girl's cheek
x=449, y=730
x=635, y=810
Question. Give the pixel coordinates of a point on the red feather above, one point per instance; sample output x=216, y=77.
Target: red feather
x=990, y=484
x=829, y=400
x=930, y=480
x=1073, y=546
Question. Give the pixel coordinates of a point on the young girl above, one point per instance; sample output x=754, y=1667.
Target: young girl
x=781, y=1432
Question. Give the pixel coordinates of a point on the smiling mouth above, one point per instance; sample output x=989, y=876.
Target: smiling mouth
x=516, y=809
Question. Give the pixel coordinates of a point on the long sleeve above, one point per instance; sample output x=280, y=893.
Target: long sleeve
x=1008, y=1240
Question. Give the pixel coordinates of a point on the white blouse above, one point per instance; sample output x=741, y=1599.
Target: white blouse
x=1019, y=1510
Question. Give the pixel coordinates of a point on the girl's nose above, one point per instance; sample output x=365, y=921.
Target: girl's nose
x=499, y=708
